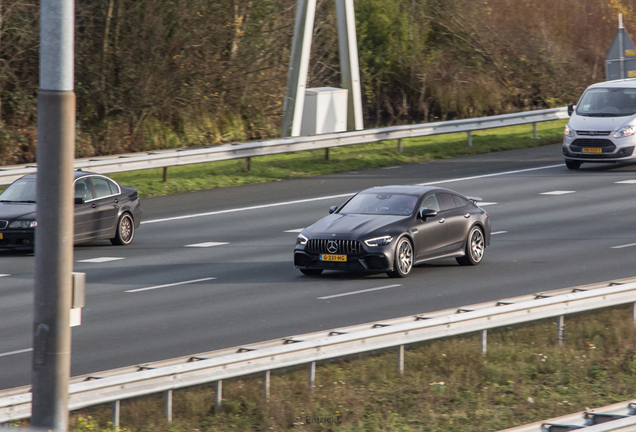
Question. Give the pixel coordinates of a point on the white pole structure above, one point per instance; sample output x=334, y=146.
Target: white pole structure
x=621, y=57
x=298, y=68
x=349, y=67
x=54, y=233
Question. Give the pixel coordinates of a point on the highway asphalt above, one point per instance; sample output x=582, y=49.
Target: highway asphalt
x=214, y=269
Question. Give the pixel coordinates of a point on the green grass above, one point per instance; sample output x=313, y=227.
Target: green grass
x=447, y=385
x=342, y=159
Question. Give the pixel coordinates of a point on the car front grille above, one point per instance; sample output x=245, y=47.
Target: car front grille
x=593, y=133
x=3, y=224
x=326, y=246
x=605, y=145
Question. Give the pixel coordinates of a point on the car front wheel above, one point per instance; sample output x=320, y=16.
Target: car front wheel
x=311, y=272
x=573, y=165
x=475, y=247
x=403, y=259
x=125, y=231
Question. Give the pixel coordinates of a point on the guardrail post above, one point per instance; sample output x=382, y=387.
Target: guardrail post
x=218, y=396
x=266, y=384
x=327, y=153
x=400, y=145
x=248, y=163
x=534, y=131
x=634, y=313
x=470, y=139
x=312, y=375
x=116, y=412
x=168, y=405
x=400, y=359
x=165, y=174
x=560, y=330
x=483, y=341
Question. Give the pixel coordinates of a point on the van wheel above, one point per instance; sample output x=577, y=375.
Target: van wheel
x=573, y=165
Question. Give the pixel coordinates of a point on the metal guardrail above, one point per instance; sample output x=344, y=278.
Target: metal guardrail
x=177, y=157
x=305, y=350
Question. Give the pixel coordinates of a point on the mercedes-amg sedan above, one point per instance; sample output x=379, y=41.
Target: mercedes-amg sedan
x=391, y=228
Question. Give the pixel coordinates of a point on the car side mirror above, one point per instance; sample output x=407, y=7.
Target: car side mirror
x=570, y=109
x=332, y=209
x=426, y=213
x=79, y=200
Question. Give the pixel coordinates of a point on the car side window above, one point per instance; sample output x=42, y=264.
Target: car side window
x=114, y=190
x=83, y=189
x=430, y=202
x=446, y=201
x=102, y=188
x=459, y=201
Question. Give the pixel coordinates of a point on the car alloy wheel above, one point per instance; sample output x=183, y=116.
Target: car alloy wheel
x=125, y=231
x=475, y=246
x=403, y=258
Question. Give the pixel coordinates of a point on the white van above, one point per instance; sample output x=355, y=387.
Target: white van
x=602, y=126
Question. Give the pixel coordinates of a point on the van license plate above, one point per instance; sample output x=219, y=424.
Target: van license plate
x=592, y=150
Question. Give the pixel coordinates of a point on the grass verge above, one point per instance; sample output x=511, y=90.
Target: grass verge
x=341, y=159
x=447, y=385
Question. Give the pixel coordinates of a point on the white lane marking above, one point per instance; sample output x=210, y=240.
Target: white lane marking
x=16, y=352
x=498, y=232
x=623, y=246
x=4, y=275
x=258, y=207
x=484, y=204
x=358, y=292
x=170, y=285
x=207, y=244
x=626, y=182
x=297, y=230
x=100, y=260
x=557, y=193
x=393, y=167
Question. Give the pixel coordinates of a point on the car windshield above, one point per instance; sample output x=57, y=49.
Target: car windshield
x=608, y=102
x=21, y=191
x=381, y=204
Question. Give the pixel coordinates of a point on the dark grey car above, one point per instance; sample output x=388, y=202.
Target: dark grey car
x=103, y=210
x=391, y=228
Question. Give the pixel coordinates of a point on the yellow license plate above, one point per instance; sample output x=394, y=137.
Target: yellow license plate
x=0, y=236
x=339, y=258
x=592, y=150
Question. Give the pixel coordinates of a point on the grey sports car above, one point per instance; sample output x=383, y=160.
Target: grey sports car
x=391, y=228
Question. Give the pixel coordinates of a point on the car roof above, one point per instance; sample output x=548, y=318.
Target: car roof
x=76, y=174
x=624, y=83
x=407, y=189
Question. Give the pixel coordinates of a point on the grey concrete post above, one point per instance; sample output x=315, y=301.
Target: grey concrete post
x=560, y=330
x=400, y=145
x=349, y=66
x=266, y=377
x=535, y=134
x=400, y=359
x=218, y=395
x=470, y=139
x=312, y=375
x=54, y=233
x=298, y=68
x=116, y=412
x=483, y=341
x=634, y=313
x=168, y=405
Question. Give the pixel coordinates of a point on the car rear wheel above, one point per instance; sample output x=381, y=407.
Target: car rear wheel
x=311, y=272
x=125, y=231
x=573, y=165
x=403, y=259
x=475, y=247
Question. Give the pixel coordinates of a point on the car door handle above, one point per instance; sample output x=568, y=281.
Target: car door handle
x=467, y=215
x=442, y=220
x=94, y=205
x=415, y=230
x=116, y=201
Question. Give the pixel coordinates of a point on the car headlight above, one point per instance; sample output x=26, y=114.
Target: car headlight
x=301, y=239
x=625, y=131
x=23, y=224
x=568, y=132
x=379, y=241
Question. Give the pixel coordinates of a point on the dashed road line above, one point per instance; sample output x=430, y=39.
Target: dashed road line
x=558, y=192
x=16, y=352
x=498, y=232
x=170, y=285
x=207, y=244
x=358, y=292
x=297, y=230
x=101, y=260
x=484, y=204
x=390, y=168
x=623, y=246
x=4, y=275
x=626, y=182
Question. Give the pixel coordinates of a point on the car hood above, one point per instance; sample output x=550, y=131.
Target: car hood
x=351, y=226
x=582, y=123
x=10, y=211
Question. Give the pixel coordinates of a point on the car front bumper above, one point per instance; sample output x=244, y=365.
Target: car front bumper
x=599, y=149
x=376, y=259
x=12, y=238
